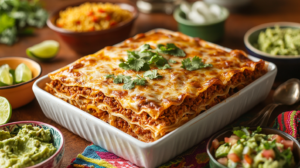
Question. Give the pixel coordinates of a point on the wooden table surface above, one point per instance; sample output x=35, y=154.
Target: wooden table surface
x=237, y=24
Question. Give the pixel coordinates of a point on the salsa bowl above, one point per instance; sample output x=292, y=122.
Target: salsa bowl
x=20, y=94
x=213, y=163
x=58, y=142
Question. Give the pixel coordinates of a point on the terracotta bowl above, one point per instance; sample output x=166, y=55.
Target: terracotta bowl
x=20, y=94
x=89, y=42
x=53, y=161
x=265, y=130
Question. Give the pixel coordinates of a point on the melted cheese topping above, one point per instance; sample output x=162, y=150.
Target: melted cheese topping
x=158, y=94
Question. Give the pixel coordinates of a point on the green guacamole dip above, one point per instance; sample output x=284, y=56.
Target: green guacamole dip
x=29, y=147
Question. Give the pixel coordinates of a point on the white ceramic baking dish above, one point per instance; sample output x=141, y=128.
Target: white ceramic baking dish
x=153, y=154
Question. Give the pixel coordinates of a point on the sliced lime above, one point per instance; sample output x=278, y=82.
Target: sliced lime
x=5, y=110
x=22, y=73
x=43, y=51
x=5, y=77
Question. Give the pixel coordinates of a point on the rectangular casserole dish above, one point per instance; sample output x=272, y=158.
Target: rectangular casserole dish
x=155, y=153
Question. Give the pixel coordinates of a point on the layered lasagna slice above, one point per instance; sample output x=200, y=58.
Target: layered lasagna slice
x=185, y=77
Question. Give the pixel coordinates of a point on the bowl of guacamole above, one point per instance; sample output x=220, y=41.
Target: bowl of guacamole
x=253, y=147
x=277, y=42
x=30, y=144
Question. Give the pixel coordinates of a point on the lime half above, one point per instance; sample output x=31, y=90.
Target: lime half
x=22, y=73
x=5, y=77
x=43, y=51
x=5, y=110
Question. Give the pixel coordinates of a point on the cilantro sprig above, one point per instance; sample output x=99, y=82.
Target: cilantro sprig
x=127, y=81
x=152, y=74
x=143, y=59
x=171, y=49
x=194, y=64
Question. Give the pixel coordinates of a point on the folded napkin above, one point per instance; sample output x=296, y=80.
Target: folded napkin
x=97, y=157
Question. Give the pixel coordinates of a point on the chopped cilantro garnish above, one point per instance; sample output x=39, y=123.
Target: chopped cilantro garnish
x=152, y=74
x=121, y=79
x=271, y=145
x=226, y=144
x=109, y=76
x=240, y=133
x=195, y=64
x=171, y=49
x=128, y=83
x=166, y=66
x=172, y=61
x=258, y=129
x=239, y=142
x=143, y=59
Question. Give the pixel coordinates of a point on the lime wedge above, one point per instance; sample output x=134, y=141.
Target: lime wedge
x=5, y=110
x=5, y=77
x=22, y=73
x=43, y=51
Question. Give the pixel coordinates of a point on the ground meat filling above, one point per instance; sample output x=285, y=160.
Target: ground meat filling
x=89, y=100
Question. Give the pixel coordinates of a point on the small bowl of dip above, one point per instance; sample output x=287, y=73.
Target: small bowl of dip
x=252, y=147
x=203, y=20
x=39, y=145
x=274, y=42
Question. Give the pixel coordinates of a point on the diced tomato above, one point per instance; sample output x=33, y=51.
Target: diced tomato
x=268, y=153
x=78, y=22
x=234, y=157
x=232, y=140
x=287, y=144
x=90, y=13
x=248, y=159
x=223, y=161
x=101, y=10
x=59, y=24
x=215, y=143
x=108, y=17
x=95, y=19
x=277, y=138
x=112, y=23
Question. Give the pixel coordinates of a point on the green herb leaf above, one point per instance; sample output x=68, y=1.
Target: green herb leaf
x=141, y=60
x=129, y=84
x=271, y=145
x=195, y=64
x=152, y=74
x=258, y=129
x=172, y=61
x=141, y=81
x=109, y=76
x=6, y=22
x=144, y=47
x=166, y=66
x=171, y=49
x=121, y=79
x=240, y=133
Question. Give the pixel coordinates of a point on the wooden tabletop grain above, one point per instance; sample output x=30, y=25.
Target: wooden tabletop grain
x=258, y=12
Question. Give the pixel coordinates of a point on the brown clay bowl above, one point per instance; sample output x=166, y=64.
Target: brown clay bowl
x=20, y=94
x=265, y=130
x=89, y=42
